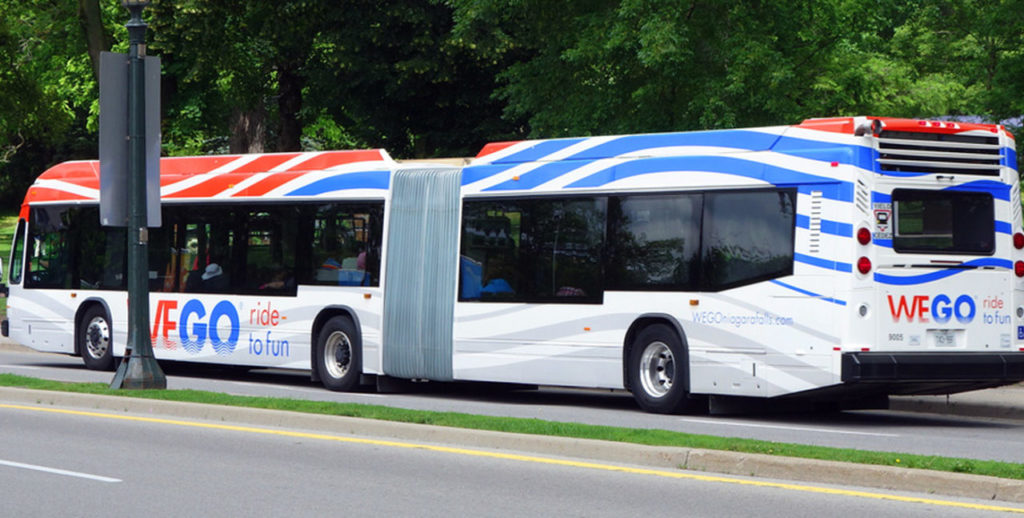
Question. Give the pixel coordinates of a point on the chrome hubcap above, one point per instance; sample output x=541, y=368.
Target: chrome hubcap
x=657, y=369
x=337, y=355
x=97, y=337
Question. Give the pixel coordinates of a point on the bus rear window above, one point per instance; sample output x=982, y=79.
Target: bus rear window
x=944, y=222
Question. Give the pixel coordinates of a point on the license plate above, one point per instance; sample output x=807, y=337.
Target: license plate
x=943, y=337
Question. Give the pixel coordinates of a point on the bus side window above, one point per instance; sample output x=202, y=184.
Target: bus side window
x=747, y=237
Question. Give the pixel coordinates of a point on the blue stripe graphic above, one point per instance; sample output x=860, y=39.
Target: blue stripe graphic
x=898, y=280
x=360, y=180
x=998, y=190
x=736, y=139
x=835, y=228
x=479, y=172
x=716, y=164
x=1010, y=157
x=810, y=293
x=542, y=174
x=1004, y=227
x=823, y=263
x=539, y=150
x=860, y=156
x=744, y=140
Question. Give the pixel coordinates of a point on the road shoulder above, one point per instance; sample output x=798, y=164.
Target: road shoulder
x=691, y=460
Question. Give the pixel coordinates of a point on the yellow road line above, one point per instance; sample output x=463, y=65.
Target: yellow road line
x=526, y=458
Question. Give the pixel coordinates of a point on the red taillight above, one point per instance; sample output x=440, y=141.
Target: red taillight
x=864, y=236
x=1018, y=240
x=864, y=265
x=1018, y=268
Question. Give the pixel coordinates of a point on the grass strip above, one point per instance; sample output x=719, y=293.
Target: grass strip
x=649, y=437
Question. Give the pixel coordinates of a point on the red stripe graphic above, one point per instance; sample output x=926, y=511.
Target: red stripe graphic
x=336, y=158
x=271, y=182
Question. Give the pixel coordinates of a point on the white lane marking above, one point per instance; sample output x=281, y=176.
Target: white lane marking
x=58, y=471
x=780, y=427
x=20, y=367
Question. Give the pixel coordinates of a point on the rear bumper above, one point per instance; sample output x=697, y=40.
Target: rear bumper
x=938, y=367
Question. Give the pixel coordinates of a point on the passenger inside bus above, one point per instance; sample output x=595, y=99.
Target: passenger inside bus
x=211, y=280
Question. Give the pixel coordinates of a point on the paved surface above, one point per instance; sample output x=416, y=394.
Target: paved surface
x=1005, y=403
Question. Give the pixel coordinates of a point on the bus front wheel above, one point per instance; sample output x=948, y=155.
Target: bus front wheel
x=658, y=371
x=94, y=340
x=336, y=357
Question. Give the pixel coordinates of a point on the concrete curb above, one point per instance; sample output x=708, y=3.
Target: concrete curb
x=743, y=464
x=1008, y=405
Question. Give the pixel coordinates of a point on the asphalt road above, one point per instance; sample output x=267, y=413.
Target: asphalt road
x=56, y=462
x=898, y=432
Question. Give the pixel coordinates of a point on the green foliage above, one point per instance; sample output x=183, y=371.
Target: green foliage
x=443, y=77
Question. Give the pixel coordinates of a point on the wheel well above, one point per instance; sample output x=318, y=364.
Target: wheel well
x=80, y=314
x=639, y=325
x=318, y=324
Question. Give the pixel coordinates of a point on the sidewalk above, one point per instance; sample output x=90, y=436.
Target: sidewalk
x=1003, y=402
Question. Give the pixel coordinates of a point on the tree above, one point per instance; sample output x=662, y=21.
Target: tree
x=393, y=76
x=48, y=100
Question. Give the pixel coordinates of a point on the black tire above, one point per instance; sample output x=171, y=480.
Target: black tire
x=659, y=372
x=337, y=356
x=94, y=339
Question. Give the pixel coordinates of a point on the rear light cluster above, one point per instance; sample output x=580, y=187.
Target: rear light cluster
x=1018, y=243
x=864, y=238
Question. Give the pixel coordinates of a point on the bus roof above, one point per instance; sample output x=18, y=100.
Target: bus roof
x=229, y=176
x=804, y=154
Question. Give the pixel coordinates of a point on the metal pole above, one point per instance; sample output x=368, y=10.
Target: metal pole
x=139, y=369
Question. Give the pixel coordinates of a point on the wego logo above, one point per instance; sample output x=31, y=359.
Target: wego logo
x=940, y=309
x=220, y=327
x=194, y=328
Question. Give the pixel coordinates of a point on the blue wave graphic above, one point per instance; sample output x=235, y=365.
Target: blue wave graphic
x=809, y=293
x=538, y=176
x=998, y=190
x=908, y=280
x=479, y=172
x=539, y=150
x=716, y=164
x=860, y=156
x=340, y=182
x=737, y=139
x=823, y=263
x=835, y=228
x=740, y=140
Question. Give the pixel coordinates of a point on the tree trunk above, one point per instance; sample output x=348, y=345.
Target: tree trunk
x=289, y=102
x=96, y=37
x=248, y=131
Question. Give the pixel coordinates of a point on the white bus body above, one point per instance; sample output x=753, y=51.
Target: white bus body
x=836, y=260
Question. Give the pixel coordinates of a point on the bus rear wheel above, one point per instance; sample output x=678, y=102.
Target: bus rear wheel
x=336, y=357
x=94, y=340
x=658, y=371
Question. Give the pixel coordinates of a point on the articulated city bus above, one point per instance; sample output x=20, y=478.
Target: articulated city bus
x=836, y=261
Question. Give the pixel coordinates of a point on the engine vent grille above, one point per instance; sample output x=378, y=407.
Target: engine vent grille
x=938, y=153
